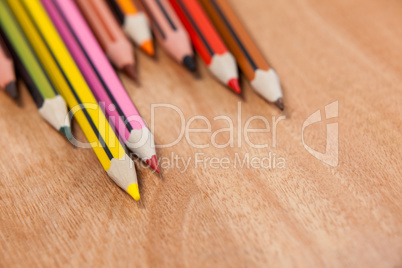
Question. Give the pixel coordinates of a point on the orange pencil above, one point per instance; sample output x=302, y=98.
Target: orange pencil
x=7, y=74
x=263, y=78
x=134, y=22
x=111, y=37
x=207, y=42
x=170, y=32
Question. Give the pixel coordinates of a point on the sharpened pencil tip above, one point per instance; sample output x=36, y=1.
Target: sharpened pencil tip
x=130, y=71
x=234, y=84
x=280, y=104
x=148, y=47
x=189, y=62
x=12, y=89
x=153, y=163
x=66, y=131
x=133, y=191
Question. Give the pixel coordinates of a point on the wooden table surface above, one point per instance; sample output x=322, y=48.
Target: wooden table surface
x=59, y=208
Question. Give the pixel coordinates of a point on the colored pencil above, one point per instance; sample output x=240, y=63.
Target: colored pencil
x=134, y=22
x=51, y=105
x=65, y=75
x=207, y=42
x=170, y=32
x=263, y=78
x=102, y=79
x=7, y=75
x=111, y=37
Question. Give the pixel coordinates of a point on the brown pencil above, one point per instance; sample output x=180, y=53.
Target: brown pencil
x=109, y=34
x=251, y=61
x=7, y=74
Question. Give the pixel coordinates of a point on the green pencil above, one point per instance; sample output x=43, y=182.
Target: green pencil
x=51, y=105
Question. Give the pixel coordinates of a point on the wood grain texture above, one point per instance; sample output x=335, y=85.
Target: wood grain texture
x=59, y=208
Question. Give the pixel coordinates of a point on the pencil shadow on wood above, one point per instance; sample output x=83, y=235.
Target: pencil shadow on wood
x=161, y=170
x=160, y=174
x=197, y=74
x=141, y=204
x=20, y=87
x=18, y=101
x=137, y=70
x=287, y=111
x=242, y=82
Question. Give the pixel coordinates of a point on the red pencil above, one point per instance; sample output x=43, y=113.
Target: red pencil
x=207, y=42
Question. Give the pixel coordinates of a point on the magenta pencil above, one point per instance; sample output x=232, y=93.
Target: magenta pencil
x=102, y=79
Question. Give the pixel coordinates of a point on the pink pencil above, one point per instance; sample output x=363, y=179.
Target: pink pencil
x=169, y=31
x=7, y=75
x=102, y=79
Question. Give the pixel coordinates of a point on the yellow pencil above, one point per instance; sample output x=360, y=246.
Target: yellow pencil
x=68, y=80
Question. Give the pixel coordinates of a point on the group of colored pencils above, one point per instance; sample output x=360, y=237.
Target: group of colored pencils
x=64, y=50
